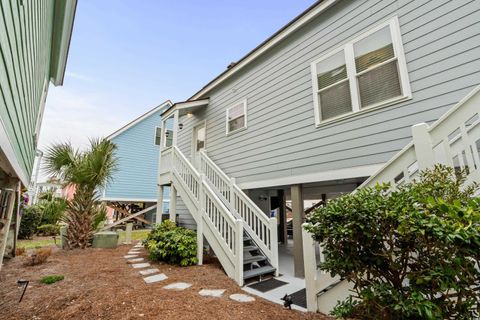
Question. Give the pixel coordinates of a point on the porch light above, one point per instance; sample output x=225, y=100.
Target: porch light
x=189, y=114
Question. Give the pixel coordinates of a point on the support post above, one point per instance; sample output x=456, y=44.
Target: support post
x=423, y=146
x=310, y=271
x=239, y=252
x=298, y=219
x=274, y=244
x=200, y=213
x=232, y=195
x=159, y=212
x=128, y=233
x=6, y=215
x=173, y=204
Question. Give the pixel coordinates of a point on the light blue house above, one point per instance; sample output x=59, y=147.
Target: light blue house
x=135, y=180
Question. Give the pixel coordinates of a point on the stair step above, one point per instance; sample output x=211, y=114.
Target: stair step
x=250, y=248
x=247, y=274
x=254, y=259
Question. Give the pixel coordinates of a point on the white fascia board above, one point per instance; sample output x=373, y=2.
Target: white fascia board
x=322, y=6
x=128, y=199
x=165, y=104
x=9, y=152
x=346, y=173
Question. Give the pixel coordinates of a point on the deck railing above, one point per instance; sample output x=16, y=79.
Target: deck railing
x=261, y=228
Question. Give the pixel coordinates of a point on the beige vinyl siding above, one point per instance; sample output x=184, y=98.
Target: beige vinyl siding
x=441, y=43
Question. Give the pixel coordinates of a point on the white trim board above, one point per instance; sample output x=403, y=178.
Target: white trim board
x=9, y=152
x=289, y=29
x=132, y=199
x=167, y=103
x=346, y=173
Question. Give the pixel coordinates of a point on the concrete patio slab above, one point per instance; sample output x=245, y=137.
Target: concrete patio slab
x=155, y=278
x=178, y=286
x=241, y=297
x=140, y=265
x=211, y=292
x=148, y=271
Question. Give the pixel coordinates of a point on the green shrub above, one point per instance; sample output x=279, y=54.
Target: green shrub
x=51, y=279
x=172, y=244
x=50, y=208
x=29, y=222
x=100, y=216
x=49, y=230
x=411, y=253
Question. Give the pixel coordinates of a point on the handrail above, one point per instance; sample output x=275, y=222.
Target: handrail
x=453, y=140
x=261, y=228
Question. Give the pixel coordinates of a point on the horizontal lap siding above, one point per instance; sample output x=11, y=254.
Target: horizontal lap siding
x=136, y=174
x=25, y=44
x=442, y=46
x=185, y=218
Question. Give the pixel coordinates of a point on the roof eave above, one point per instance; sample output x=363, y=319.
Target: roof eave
x=64, y=16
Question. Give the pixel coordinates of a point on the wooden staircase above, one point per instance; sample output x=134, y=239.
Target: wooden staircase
x=243, y=238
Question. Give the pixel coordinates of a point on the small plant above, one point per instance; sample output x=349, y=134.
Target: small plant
x=37, y=256
x=172, y=244
x=19, y=251
x=51, y=279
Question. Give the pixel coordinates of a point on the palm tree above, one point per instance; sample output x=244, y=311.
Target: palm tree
x=87, y=171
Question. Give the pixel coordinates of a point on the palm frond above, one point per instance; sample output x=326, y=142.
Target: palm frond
x=59, y=159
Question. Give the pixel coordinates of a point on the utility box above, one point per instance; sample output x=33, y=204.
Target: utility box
x=105, y=239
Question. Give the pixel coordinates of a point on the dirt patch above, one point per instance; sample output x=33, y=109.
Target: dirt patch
x=99, y=284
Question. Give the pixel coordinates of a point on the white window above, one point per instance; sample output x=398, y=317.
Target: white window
x=237, y=117
x=368, y=72
x=158, y=135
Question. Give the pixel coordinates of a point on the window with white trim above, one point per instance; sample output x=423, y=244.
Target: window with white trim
x=158, y=135
x=237, y=117
x=368, y=72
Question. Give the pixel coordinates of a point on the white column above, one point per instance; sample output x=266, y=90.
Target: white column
x=200, y=213
x=310, y=268
x=239, y=252
x=298, y=220
x=173, y=203
x=159, y=212
x=423, y=146
x=175, y=127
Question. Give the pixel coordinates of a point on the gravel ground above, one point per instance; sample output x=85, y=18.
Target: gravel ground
x=99, y=284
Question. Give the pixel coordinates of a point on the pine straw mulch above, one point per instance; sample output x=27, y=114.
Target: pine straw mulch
x=99, y=284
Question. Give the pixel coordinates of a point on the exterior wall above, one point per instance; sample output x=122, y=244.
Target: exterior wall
x=185, y=218
x=136, y=176
x=440, y=40
x=25, y=47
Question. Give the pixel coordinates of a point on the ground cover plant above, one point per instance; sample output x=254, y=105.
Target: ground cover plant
x=412, y=253
x=51, y=279
x=172, y=244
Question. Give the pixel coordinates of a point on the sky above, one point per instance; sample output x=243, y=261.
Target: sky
x=128, y=56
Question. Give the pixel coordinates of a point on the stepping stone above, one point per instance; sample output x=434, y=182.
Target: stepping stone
x=138, y=246
x=140, y=265
x=134, y=251
x=135, y=260
x=212, y=292
x=155, y=278
x=130, y=256
x=178, y=286
x=241, y=297
x=148, y=271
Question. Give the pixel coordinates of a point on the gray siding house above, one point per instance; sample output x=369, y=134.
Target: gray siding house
x=309, y=114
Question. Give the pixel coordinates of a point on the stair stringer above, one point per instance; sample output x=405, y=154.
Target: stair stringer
x=209, y=234
x=327, y=300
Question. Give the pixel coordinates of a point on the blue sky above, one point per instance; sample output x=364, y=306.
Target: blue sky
x=128, y=56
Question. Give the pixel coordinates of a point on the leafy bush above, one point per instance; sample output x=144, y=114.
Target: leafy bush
x=172, y=244
x=412, y=253
x=29, y=223
x=51, y=209
x=49, y=230
x=100, y=216
x=51, y=279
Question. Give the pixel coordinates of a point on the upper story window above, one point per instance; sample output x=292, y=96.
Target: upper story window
x=237, y=117
x=368, y=72
x=158, y=135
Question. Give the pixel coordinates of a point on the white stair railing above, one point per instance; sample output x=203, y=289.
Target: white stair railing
x=453, y=140
x=261, y=228
x=211, y=213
